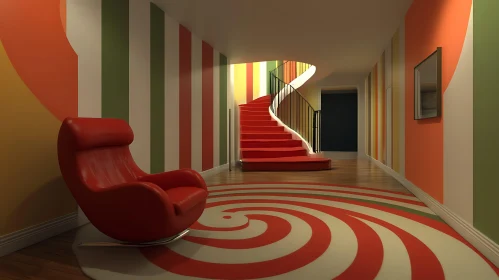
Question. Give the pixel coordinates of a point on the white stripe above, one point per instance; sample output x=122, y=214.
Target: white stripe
x=396, y=263
x=300, y=234
x=388, y=104
x=458, y=115
x=84, y=34
x=230, y=105
x=172, y=94
x=254, y=229
x=448, y=250
x=140, y=82
x=341, y=251
x=263, y=78
x=216, y=108
x=196, y=104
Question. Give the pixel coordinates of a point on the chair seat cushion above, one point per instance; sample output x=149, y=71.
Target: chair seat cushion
x=186, y=198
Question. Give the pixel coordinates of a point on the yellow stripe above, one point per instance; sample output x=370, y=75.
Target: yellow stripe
x=240, y=83
x=382, y=105
x=29, y=121
x=256, y=80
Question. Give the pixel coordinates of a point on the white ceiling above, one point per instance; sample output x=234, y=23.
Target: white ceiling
x=337, y=36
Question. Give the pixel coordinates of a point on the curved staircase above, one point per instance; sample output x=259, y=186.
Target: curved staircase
x=265, y=145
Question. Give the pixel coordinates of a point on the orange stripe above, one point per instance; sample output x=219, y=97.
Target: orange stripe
x=37, y=46
x=383, y=112
x=62, y=5
x=375, y=86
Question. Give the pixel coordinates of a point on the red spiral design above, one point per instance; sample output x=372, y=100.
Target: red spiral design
x=369, y=256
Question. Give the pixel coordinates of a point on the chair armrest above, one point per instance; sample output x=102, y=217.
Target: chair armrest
x=128, y=211
x=177, y=178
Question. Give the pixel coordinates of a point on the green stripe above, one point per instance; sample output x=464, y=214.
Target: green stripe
x=281, y=70
x=115, y=52
x=271, y=65
x=405, y=209
x=157, y=89
x=223, y=109
x=485, y=116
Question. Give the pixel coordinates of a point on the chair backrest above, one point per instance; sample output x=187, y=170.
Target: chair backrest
x=94, y=153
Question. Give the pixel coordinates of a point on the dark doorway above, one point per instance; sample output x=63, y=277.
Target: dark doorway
x=339, y=120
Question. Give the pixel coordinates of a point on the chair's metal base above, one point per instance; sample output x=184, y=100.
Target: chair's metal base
x=128, y=244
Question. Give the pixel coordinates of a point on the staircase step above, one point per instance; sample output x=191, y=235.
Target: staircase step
x=265, y=135
x=245, y=122
x=256, y=118
x=256, y=105
x=272, y=152
x=258, y=128
x=299, y=163
x=270, y=143
x=254, y=109
x=254, y=113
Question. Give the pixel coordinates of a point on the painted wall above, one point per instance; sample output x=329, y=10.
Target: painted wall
x=312, y=93
x=39, y=88
x=451, y=158
x=485, y=116
x=121, y=59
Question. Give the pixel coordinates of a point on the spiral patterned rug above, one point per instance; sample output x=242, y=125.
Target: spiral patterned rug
x=299, y=231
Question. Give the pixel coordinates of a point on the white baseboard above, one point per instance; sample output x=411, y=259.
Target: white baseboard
x=23, y=238
x=482, y=243
x=214, y=171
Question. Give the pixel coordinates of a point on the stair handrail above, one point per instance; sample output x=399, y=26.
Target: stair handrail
x=307, y=128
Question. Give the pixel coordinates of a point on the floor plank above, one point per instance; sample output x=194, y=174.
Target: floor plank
x=54, y=259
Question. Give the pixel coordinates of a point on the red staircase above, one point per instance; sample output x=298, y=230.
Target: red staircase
x=266, y=146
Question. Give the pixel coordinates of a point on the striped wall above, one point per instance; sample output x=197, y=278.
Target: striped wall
x=164, y=81
x=451, y=158
x=103, y=58
x=251, y=80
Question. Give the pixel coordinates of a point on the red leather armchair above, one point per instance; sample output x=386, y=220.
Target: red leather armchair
x=118, y=198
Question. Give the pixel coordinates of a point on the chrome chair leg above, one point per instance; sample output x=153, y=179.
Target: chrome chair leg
x=159, y=242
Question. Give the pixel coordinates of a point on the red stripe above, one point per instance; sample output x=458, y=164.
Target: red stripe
x=312, y=184
x=277, y=229
x=207, y=111
x=418, y=203
x=185, y=97
x=319, y=242
x=33, y=36
x=424, y=263
x=418, y=218
x=369, y=258
x=249, y=82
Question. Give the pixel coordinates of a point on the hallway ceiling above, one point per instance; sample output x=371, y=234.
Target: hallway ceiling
x=337, y=36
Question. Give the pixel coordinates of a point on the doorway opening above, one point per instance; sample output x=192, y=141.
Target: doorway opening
x=339, y=120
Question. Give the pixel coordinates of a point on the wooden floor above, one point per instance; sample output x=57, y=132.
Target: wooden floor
x=53, y=259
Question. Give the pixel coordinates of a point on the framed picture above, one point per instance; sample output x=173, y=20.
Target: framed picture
x=428, y=87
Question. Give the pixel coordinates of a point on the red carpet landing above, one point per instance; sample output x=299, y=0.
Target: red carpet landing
x=299, y=231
